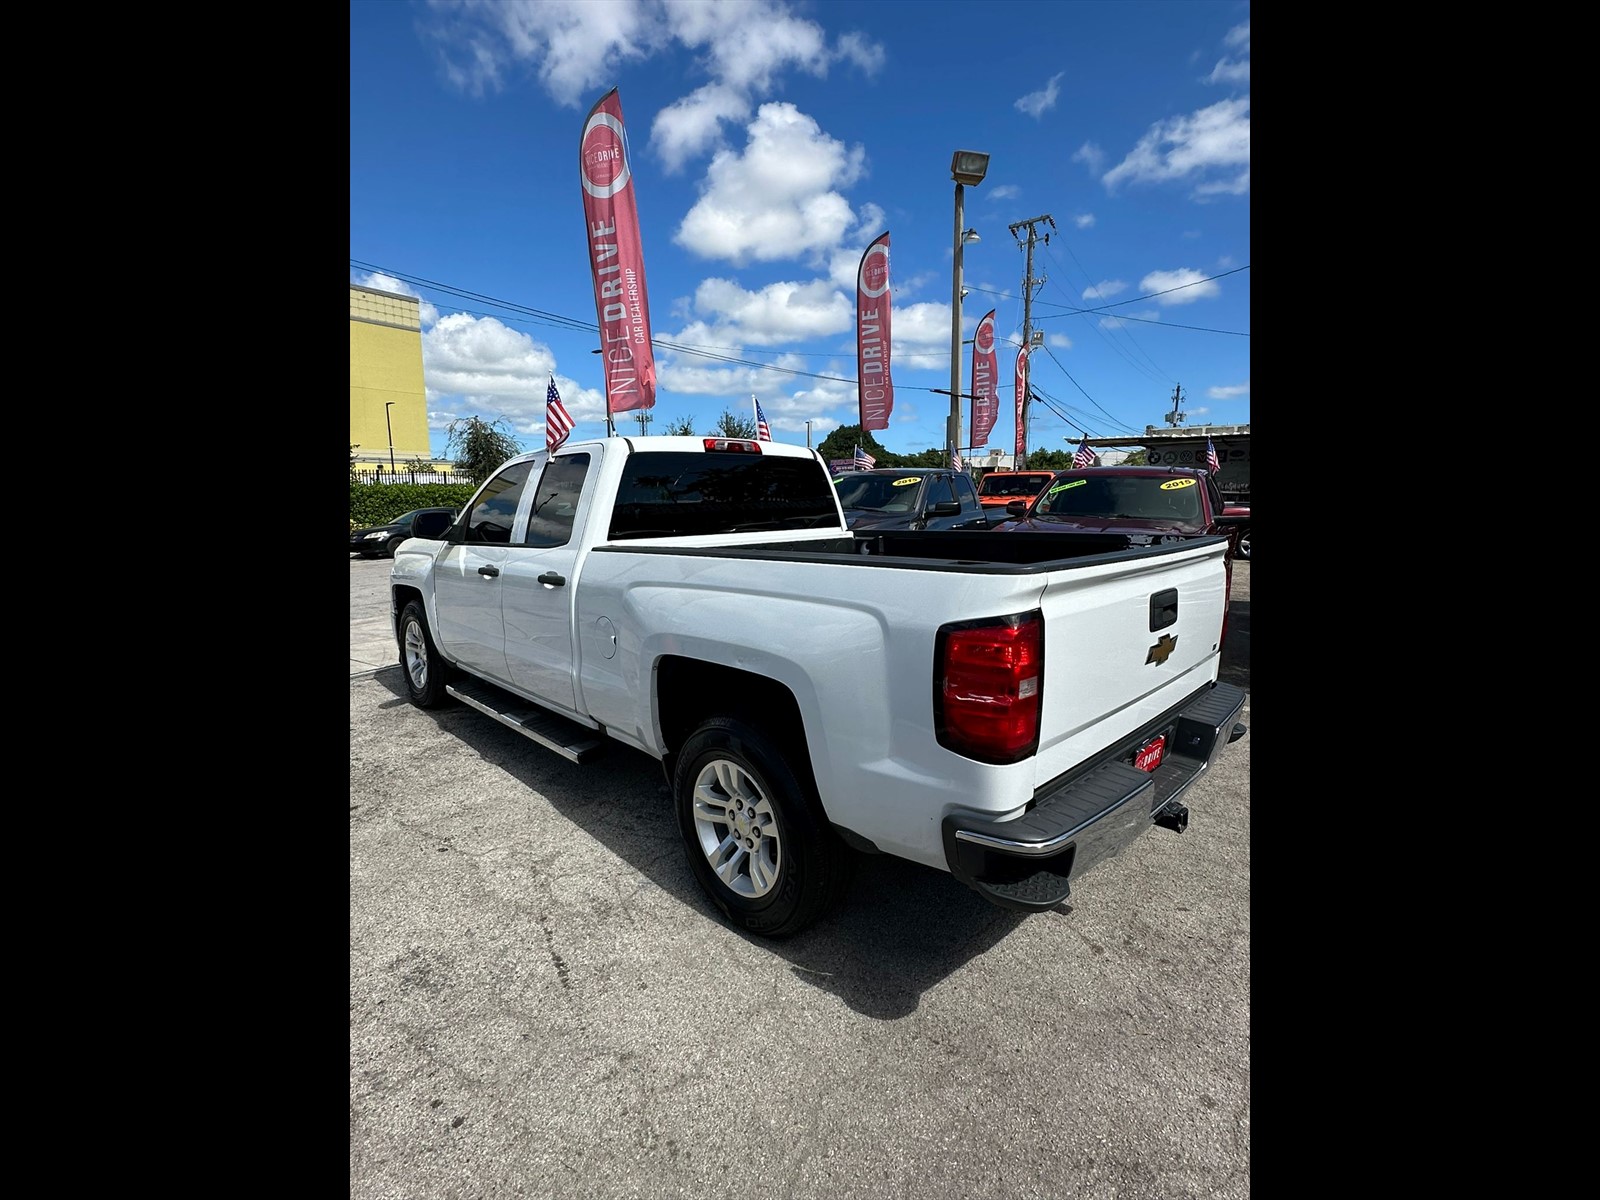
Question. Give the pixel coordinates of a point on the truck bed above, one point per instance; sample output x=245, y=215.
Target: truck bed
x=955, y=549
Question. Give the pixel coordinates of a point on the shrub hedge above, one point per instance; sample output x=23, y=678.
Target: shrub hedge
x=375, y=503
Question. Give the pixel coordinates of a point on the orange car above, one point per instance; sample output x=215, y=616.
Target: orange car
x=999, y=488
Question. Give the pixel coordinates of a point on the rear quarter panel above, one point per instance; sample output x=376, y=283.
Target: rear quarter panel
x=852, y=638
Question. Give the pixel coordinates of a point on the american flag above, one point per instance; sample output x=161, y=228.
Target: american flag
x=1085, y=456
x=955, y=459
x=557, y=420
x=763, y=430
x=1211, y=457
x=864, y=461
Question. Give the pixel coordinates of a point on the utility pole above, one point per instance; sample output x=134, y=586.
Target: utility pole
x=1175, y=417
x=1028, y=285
x=644, y=418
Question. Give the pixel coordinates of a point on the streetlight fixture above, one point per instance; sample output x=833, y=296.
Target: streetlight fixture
x=386, y=407
x=967, y=168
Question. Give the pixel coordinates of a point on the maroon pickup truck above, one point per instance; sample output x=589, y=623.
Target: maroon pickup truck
x=1147, y=504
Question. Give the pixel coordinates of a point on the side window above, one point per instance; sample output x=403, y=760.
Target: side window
x=965, y=492
x=489, y=520
x=555, y=501
x=940, y=490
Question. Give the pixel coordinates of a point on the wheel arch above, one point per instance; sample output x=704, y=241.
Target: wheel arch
x=402, y=594
x=688, y=691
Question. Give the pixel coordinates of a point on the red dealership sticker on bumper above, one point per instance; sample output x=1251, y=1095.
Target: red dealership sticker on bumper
x=1149, y=755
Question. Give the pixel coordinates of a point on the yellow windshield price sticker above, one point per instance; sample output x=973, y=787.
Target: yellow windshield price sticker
x=1173, y=485
x=908, y=482
x=1061, y=487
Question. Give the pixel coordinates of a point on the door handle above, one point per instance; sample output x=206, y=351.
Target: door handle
x=551, y=579
x=491, y=572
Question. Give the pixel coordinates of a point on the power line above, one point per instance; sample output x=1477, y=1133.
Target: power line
x=556, y=320
x=1119, y=316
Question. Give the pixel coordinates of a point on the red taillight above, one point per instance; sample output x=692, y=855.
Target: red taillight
x=737, y=445
x=988, y=687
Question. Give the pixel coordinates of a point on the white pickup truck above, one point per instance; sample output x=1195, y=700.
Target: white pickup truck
x=1007, y=708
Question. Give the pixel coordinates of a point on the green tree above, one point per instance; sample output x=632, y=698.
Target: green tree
x=934, y=456
x=479, y=447
x=1139, y=458
x=353, y=447
x=842, y=443
x=730, y=426
x=683, y=427
x=1050, y=460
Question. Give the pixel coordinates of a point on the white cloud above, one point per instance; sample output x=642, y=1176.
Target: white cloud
x=1005, y=191
x=747, y=45
x=477, y=366
x=778, y=199
x=779, y=312
x=861, y=51
x=1232, y=392
x=1211, y=147
x=1237, y=186
x=1083, y=220
x=686, y=128
x=1104, y=290
x=1113, y=323
x=1060, y=341
x=925, y=327
x=870, y=221
x=1182, y=286
x=577, y=49
x=1091, y=156
x=1234, y=70
x=1036, y=104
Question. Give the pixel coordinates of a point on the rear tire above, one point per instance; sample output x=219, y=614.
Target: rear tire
x=420, y=660
x=754, y=833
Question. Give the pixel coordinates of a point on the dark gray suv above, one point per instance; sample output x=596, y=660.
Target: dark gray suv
x=910, y=498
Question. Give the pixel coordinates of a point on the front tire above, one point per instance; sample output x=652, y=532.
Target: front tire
x=754, y=833
x=424, y=667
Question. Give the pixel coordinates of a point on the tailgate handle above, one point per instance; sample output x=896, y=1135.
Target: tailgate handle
x=1163, y=609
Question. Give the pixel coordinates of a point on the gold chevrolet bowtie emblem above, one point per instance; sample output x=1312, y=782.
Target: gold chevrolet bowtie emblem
x=1162, y=650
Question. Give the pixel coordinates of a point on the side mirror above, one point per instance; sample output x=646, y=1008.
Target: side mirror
x=432, y=525
x=1016, y=507
x=944, y=508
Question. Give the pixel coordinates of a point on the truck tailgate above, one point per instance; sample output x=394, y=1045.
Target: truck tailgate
x=1123, y=644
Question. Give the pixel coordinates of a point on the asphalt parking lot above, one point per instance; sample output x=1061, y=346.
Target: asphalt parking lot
x=543, y=1003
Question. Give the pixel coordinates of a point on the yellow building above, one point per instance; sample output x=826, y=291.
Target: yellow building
x=388, y=403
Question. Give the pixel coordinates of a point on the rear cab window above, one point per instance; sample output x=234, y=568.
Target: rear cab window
x=704, y=492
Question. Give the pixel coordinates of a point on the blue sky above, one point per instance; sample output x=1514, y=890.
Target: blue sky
x=770, y=143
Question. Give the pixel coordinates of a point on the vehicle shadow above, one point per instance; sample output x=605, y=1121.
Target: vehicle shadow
x=1235, y=665
x=900, y=929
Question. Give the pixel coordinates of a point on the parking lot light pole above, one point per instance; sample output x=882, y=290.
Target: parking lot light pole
x=386, y=407
x=967, y=168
